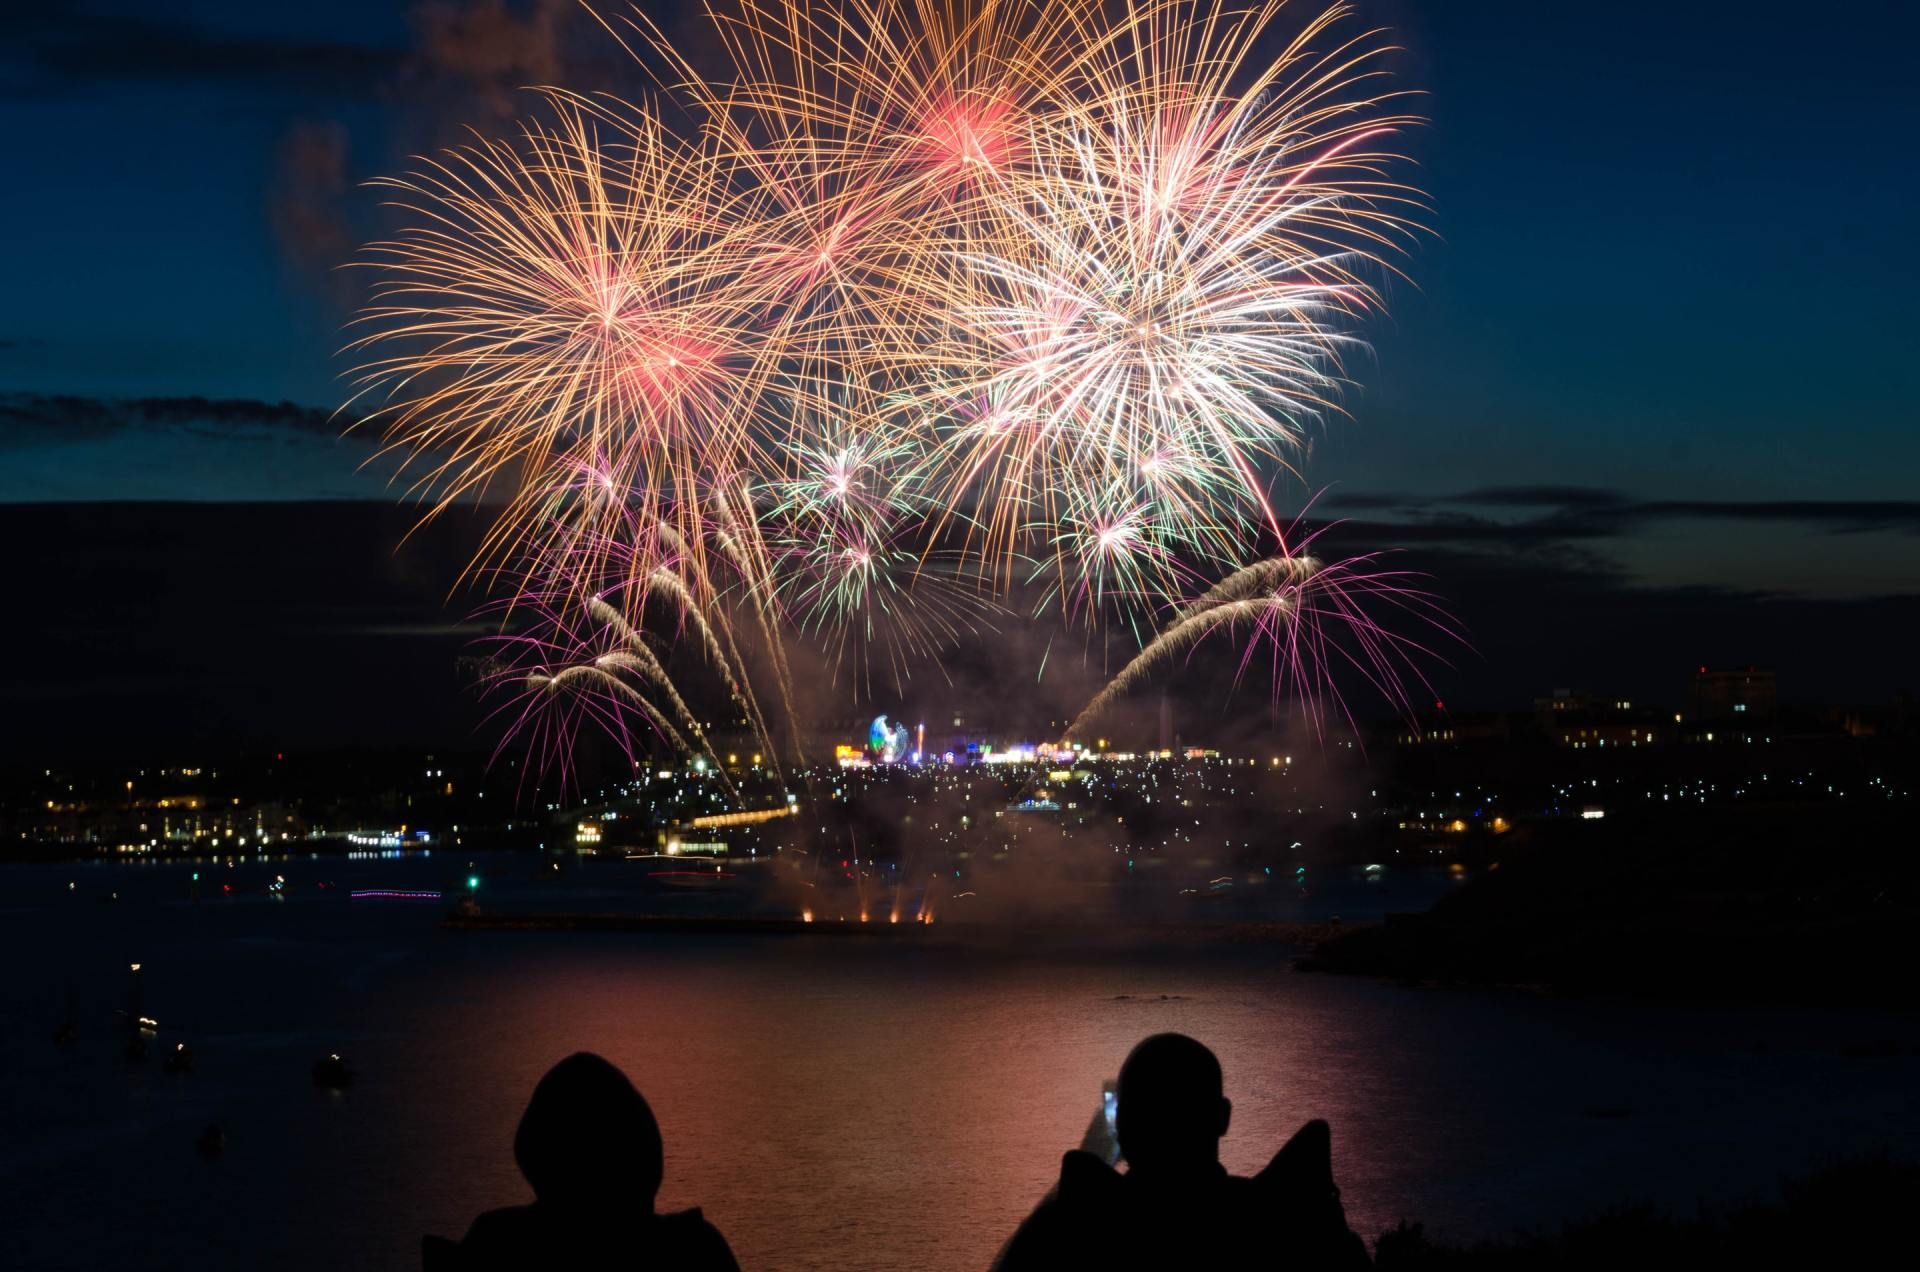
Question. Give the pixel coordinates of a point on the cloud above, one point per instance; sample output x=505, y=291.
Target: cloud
x=424, y=629
x=290, y=415
x=193, y=449
x=61, y=50
x=483, y=51
x=1583, y=512
x=1370, y=500
x=1542, y=497
x=26, y=418
x=468, y=66
x=474, y=50
x=1840, y=516
x=308, y=206
x=1534, y=624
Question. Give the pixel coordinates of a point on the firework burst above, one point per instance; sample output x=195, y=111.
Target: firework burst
x=1190, y=248
x=564, y=322
x=938, y=302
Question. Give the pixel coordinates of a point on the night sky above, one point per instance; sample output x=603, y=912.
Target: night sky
x=1648, y=402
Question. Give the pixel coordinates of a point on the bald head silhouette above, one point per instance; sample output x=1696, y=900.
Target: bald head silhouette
x=1170, y=1112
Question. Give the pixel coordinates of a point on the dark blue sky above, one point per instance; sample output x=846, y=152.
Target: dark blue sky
x=1660, y=334
x=1675, y=252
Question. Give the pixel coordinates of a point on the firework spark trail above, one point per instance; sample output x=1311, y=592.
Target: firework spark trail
x=545, y=707
x=739, y=536
x=638, y=657
x=1292, y=602
x=566, y=668
x=646, y=665
x=1108, y=555
x=761, y=730
x=600, y=678
x=1180, y=635
x=665, y=580
x=1277, y=571
x=845, y=523
x=723, y=658
x=640, y=565
x=862, y=595
x=728, y=660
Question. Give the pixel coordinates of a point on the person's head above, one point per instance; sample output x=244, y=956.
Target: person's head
x=588, y=1137
x=1170, y=1112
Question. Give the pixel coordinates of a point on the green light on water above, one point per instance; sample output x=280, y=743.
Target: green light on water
x=473, y=883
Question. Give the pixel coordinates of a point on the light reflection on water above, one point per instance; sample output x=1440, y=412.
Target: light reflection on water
x=837, y=1104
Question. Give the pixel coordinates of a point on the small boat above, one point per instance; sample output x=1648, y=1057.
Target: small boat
x=331, y=1072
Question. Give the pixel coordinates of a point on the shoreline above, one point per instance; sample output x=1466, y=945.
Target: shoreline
x=1305, y=934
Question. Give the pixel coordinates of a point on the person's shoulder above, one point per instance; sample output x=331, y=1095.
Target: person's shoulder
x=1085, y=1177
x=693, y=1241
x=509, y=1223
x=1072, y=1223
x=1306, y=1158
x=1037, y=1242
x=502, y=1238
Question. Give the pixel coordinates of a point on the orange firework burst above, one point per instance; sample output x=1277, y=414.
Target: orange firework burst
x=568, y=317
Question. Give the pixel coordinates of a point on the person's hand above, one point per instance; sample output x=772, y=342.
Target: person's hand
x=1099, y=1138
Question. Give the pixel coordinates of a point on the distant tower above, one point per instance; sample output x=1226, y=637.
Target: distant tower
x=1166, y=723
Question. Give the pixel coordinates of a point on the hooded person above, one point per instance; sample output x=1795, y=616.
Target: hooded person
x=590, y=1147
x=1176, y=1205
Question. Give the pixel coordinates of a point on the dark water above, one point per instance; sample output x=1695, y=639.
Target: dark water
x=830, y=1103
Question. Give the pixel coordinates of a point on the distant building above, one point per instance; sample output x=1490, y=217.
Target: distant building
x=1736, y=697
x=1439, y=728
x=1575, y=718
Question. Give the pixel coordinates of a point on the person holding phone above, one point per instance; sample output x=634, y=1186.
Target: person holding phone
x=1176, y=1205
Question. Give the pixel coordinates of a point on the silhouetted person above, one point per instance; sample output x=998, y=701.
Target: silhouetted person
x=1176, y=1206
x=589, y=1146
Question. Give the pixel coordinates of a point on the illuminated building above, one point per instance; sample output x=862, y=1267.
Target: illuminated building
x=1735, y=697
